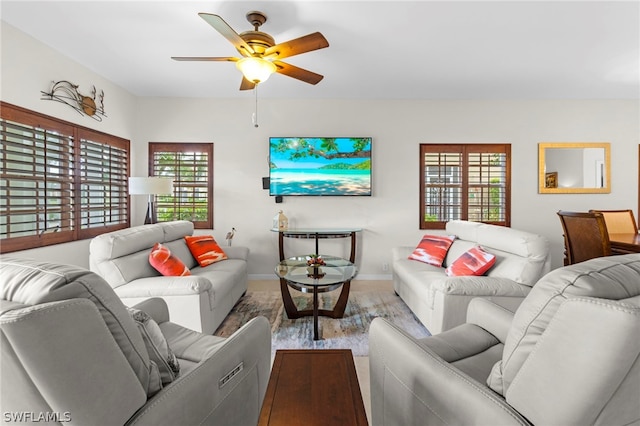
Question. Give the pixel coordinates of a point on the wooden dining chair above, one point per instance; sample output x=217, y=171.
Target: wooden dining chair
x=585, y=236
x=619, y=221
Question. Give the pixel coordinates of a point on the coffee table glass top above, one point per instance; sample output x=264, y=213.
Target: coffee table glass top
x=296, y=270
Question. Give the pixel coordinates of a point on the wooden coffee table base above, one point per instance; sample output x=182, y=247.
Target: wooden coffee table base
x=294, y=313
x=313, y=387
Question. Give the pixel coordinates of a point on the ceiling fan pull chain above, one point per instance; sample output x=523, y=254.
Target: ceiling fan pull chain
x=255, y=114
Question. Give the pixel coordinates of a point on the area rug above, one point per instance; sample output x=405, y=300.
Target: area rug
x=349, y=332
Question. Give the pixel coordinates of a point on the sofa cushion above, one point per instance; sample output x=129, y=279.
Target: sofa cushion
x=157, y=346
x=475, y=261
x=122, y=256
x=205, y=249
x=432, y=249
x=520, y=256
x=166, y=263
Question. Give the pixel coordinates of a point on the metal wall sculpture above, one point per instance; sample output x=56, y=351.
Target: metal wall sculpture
x=67, y=93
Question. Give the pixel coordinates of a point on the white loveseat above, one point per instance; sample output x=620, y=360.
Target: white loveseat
x=440, y=302
x=200, y=301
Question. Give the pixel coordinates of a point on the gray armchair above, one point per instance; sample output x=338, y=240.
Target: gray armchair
x=569, y=355
x=72, y=353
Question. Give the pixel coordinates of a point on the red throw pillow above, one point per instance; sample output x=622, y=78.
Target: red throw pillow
x=475, y=261
x=205, y=249
x=166, y=263
x=433, y=249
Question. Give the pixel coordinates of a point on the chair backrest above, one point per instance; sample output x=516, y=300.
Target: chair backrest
x=619, y=221
x=572, y=354
x=27, y=284
x=585, y=236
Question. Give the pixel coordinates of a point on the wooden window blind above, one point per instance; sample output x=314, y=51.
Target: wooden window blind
x=190, y=165
x=104, y=170
x=45, y=193
x=465, y=182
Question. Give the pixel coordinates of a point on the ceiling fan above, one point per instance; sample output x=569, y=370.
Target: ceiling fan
x=261, y=56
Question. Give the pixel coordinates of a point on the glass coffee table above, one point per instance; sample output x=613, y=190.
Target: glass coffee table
x=295, y=273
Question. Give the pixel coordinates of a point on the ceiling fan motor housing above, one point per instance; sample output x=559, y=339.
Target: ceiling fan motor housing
x=258, y=40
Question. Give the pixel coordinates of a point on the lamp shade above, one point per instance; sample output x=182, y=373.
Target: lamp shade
x=255, y=69
x=150, y=186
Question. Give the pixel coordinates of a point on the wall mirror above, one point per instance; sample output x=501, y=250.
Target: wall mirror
x=565, y=168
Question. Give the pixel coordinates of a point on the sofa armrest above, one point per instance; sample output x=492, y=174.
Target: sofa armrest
x=164, y=286
x=409, y=382
x=479, y=286
x=156, y=308
x=201, y=396
x=237, y=252
x=491, y=316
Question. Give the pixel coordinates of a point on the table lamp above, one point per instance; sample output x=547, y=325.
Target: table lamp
x=150, y=186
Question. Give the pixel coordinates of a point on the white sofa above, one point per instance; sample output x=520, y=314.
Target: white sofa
x=440, y=302
x=200, y=301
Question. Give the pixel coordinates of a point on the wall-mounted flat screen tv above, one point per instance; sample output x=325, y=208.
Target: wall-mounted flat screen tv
x=319, y=166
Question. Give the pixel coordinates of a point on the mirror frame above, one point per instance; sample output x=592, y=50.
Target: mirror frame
x=543, y=146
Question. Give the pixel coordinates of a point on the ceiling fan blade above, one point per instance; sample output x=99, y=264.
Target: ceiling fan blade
x=297, y=73
x=304, y=44
x=246, y=84
x=204, y=58
x=229, y=33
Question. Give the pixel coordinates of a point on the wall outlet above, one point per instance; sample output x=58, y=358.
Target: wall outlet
x=385, y=267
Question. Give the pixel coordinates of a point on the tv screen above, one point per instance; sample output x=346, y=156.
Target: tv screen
x=319, y=166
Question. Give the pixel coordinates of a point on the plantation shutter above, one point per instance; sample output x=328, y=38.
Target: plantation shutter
x=59, y=182
x=36, y=183
x=487, y=176
x=190, y=165
x=104, y=171
x=464, y=182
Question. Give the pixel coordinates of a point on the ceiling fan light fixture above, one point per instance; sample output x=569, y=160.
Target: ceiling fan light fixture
x=256, y=70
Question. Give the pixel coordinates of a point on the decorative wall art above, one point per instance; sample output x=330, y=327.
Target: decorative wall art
x=67, y=93
x=551, y=180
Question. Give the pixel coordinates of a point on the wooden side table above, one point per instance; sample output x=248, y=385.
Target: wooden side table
x=313, y=387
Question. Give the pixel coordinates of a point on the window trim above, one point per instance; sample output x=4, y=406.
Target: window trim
x=35, y=119
x=203, y=147
x=464, y=148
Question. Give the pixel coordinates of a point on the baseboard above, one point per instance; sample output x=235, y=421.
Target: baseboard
x=360, y=277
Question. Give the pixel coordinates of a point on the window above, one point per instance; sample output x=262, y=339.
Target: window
x=58, y=182
x=465, y=181
x=190, y=165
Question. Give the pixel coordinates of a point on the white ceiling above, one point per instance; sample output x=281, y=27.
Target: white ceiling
x=378, y=49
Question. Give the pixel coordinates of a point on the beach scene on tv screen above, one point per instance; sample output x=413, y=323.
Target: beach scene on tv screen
x=320, y=166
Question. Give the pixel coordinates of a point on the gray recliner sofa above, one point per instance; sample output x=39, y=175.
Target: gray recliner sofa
x=570, y=355
x=200, y=301
x=71, y=353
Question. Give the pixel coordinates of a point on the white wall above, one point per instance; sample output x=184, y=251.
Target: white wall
x=28, y=67
x=390, y=216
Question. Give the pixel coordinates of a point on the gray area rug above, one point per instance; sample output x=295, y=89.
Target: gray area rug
x=349, y=332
